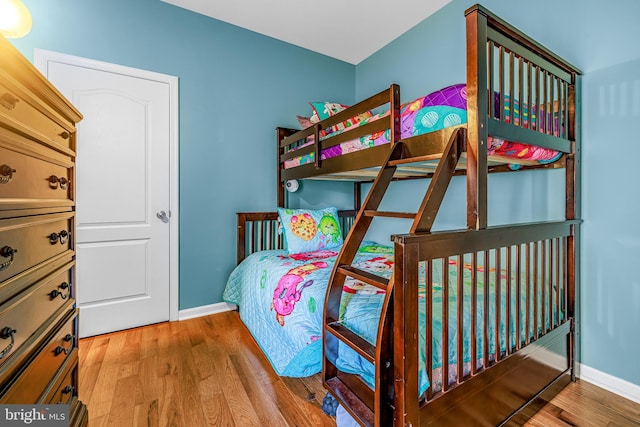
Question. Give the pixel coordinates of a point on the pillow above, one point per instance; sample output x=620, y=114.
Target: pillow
x=432, y=118
x=305, y=123
x=452, y=96
x=324, y=110
x=307, y=230
x=440, y=109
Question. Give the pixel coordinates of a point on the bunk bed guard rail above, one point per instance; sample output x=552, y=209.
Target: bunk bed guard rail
x=523, y=277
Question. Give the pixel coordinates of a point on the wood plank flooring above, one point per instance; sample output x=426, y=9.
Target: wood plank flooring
x=208, y=371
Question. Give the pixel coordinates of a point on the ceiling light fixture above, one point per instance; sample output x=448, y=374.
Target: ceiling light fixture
x=15, y=19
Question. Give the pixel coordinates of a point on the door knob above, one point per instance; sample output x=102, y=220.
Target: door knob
x=162, y=215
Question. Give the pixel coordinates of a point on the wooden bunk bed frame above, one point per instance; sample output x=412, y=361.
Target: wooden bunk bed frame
x=504, y=386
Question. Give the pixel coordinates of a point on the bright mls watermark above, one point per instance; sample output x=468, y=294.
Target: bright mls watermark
x=34, y=415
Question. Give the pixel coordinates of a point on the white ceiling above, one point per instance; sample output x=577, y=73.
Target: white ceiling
x=349, y=30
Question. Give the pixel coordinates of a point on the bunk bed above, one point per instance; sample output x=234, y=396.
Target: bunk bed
x=472, y=326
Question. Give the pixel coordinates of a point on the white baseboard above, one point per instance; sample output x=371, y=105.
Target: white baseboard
x=205, y=310
x=609, y=382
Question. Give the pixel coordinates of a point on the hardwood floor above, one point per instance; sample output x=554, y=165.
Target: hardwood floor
x=208, y=371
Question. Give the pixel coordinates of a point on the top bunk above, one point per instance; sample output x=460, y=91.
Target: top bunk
x=516, y=110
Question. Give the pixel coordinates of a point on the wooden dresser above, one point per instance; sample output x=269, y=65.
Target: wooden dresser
x=38, y=314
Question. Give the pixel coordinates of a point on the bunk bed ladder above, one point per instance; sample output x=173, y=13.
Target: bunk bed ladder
x=374, y=407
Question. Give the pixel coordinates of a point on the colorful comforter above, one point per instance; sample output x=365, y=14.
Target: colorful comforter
x=444, y=108
x=281, y=300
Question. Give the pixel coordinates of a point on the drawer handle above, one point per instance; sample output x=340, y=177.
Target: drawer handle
x=55, y=182
x=8, y=101
x=7, y=332
x=68, y=389
x=64, y=134
x=60, y=349
x=61, y=237
x=6, y=174
x=56, y=293
x=6, y=252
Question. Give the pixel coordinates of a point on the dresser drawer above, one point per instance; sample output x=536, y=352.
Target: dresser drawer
x=26, y=177
x=64, y=389
x=20, y=111
x=26, y=242
x=32, y=382
x=22, y=315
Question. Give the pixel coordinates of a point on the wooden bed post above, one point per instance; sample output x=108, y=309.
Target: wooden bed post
x=477, y=133
x=279, y=184
x=357, y=195
x=573, y=211
x=281, y=133
x=394, y=108
x=241, y=240
x=405, y=334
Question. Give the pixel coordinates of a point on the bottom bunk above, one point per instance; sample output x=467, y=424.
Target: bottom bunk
x=521, y=276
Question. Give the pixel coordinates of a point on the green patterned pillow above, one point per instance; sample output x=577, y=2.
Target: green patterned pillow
x=324, y=110
x=307, y=230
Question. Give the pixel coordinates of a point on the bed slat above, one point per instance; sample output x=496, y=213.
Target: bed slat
x=498, y=299
x=460, y=343
x=445, y=323
x=486, y=317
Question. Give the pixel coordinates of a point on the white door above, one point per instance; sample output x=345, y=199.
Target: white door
x=124, y=212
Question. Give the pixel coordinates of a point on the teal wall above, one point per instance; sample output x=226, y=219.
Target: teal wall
x=235, y=85
x=600, y=38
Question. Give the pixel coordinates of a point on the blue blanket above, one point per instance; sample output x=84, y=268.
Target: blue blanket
x=281, y=301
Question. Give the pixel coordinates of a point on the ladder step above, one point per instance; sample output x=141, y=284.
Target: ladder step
x=352, y=402
x=407, y=215
x=363, y=347
x=365, y=276
x=416, y=159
